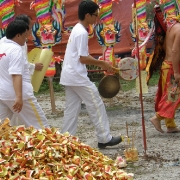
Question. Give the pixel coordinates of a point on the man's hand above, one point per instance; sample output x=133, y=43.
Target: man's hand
x=106, y=66
x=39, y=66
x=18, y=104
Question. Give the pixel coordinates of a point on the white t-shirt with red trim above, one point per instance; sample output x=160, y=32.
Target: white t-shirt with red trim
x=24, y=48
x=13, y=61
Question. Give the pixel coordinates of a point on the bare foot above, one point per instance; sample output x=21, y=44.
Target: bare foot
x=157, y=124
x=173, y=130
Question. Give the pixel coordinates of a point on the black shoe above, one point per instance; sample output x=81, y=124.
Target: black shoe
x=114, y=141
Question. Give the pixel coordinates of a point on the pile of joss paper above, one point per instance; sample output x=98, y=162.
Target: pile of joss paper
x=29, y=154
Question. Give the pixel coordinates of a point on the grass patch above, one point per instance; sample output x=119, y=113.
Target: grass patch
x=44, y=88
x=154, y=80
x=125, y=85
x=114, y=107
x=128, y=85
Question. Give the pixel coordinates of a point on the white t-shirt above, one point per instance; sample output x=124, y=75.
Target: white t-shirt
x=24, y=48
x=74, y=73
x=13, y=61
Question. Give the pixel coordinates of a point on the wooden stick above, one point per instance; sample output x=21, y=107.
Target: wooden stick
x=127, y=129
x=140, y=86
x=132, y=139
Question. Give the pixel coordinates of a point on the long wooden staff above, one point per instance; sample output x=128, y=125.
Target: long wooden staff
x=140, y=83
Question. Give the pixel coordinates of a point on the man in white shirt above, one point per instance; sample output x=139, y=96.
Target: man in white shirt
x=27, y=19
x=37, y=66
x=16, y=91
x=78, y=87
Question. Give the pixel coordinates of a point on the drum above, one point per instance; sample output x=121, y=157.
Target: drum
x=128, y=68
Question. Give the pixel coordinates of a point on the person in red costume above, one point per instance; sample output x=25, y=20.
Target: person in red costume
x=167, y=102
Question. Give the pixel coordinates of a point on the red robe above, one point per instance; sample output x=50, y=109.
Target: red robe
x=168, y=93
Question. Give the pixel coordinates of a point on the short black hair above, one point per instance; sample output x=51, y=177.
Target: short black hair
x=85, y=7
x=16, y=27
x=23, y=17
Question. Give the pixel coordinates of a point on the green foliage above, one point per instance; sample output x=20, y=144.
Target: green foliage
x=154, y=79
x=45, y=86
x=128, y=85
x=125, y=85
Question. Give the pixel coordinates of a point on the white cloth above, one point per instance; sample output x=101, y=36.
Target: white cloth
x=95, y=107
x=14, y=120
x=13, y=61
x=31, y=66
x=2, y=40
x=74, y=73
x=79, y=88
x=30, y=115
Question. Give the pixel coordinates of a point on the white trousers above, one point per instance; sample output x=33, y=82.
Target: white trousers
x=95, y=107
x=30, y=115
x=15, y=121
